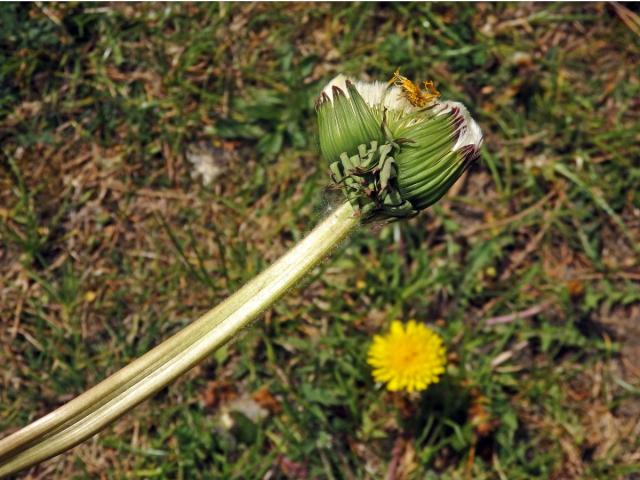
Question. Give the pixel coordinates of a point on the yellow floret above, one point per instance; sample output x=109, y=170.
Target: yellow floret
x=413, y=92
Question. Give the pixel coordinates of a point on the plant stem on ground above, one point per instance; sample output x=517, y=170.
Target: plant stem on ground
x=87, y=414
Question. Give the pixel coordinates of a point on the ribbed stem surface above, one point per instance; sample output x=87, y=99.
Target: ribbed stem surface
x=96, y=408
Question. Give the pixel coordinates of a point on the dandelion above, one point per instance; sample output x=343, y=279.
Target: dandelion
x=409, y=357
x=394, y=148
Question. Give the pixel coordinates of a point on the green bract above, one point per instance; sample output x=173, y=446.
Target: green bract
x=392, y=158
x=346, y=122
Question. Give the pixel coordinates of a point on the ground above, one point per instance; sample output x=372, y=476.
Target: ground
x=155, y=157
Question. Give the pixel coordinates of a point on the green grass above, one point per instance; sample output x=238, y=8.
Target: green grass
x=108, y=243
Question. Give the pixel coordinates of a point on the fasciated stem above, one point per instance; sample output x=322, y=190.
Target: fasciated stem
x=99, y=406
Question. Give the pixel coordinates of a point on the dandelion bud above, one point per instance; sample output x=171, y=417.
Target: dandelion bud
x=394, y=148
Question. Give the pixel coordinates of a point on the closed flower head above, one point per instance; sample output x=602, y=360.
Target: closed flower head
x=394, y=148
x=410, y=357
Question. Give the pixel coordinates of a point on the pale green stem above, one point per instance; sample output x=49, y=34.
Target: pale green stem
x=96, y=408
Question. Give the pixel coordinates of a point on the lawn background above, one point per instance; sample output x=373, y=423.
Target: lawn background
x=529, y=268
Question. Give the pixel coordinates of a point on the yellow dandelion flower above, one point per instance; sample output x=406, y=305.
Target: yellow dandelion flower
x=409, y=357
